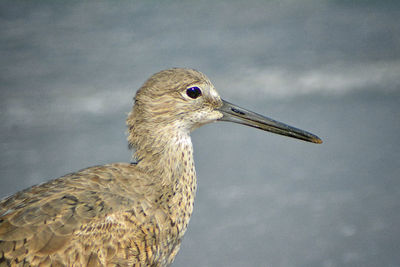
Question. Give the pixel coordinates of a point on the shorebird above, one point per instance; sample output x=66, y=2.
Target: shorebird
x=127, y=214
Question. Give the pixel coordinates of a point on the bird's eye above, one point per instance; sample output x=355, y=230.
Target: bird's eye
x=193, y=92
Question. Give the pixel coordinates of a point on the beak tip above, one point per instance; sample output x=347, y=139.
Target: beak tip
x=317, y=140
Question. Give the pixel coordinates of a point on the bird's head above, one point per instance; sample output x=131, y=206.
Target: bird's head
x=184, y=99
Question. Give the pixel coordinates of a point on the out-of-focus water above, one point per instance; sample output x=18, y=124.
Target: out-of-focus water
x=69, y=72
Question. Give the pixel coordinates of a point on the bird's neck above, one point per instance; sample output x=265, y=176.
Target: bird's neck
x=166, y=154
x=168, y=159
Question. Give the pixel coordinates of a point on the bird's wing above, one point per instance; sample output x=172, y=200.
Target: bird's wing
x=45, y=222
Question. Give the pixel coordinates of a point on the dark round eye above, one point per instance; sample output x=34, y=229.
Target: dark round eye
x=193, y=92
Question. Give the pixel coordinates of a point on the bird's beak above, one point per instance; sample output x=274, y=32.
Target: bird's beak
x=240, y=115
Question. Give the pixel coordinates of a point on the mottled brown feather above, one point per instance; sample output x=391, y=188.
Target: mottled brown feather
x=118, y=214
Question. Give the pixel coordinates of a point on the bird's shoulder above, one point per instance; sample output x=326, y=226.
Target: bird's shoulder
x=74, y=211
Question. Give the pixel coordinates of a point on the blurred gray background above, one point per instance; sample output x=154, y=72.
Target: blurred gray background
x=69, y=71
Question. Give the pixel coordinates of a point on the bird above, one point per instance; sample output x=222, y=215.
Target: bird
x=134, y=213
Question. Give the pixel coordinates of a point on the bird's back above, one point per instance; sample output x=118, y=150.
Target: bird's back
x=103, y=215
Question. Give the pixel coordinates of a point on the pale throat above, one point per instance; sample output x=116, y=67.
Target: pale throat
x=169, y=155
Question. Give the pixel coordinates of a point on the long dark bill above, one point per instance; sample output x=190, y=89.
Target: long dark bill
x=240, y=115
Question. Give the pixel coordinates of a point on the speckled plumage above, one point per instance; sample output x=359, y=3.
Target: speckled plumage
x=125, y=214
x=118, y=214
